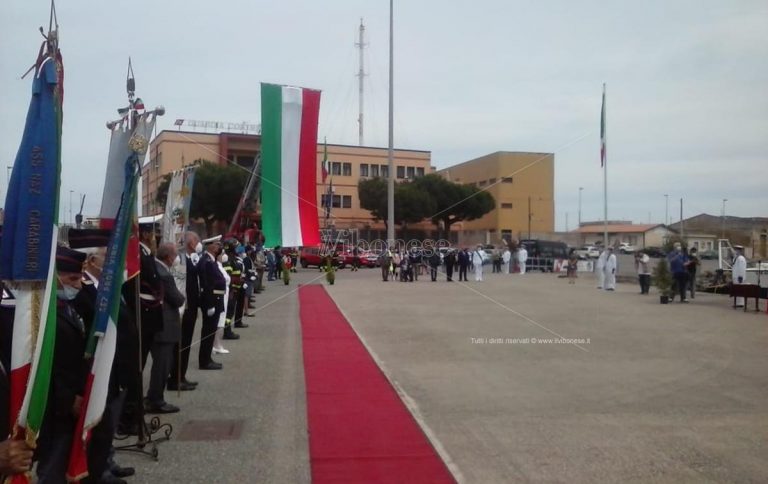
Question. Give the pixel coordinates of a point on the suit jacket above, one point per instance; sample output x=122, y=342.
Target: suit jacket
x=173, y=300
x=70, y=368
x=212, y=284
x=193, y=284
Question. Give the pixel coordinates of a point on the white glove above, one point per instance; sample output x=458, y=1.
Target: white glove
x=210, y=312
x=245, y=286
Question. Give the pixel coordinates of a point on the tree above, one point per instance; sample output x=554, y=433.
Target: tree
x=454, y=202
x=162, y=190
x=412, y=205
x=373, y=197
x=216, y=192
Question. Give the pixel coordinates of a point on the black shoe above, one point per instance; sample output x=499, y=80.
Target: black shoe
x=184, y=387
x=229, y=334
x=212, y=365
x=241, y=325
x=250, y=315
x=111, y=479
x=188, y=382
x=119, y=471
x=163, y=408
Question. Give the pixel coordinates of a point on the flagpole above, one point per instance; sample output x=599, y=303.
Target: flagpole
x=391, y=163
x=605, y=175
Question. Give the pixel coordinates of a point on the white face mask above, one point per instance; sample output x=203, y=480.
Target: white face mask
x=67, y=293
x=199, y=248
x=224, y=258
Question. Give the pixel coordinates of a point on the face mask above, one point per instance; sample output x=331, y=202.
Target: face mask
x=67, y=293
x=224, y=258
x=199, y=248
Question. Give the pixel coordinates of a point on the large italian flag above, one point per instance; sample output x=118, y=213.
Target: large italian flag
x=289, y=165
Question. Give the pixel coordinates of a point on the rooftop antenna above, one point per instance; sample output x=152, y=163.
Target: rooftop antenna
x=361, y=76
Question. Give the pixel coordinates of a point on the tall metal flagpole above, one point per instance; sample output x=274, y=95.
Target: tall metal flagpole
x=391, y=181
x=605, y=174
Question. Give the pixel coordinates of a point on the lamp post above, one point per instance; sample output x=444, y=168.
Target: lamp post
x=666, y=209
x=580, y=190
x=722, y=235
x=70, y=206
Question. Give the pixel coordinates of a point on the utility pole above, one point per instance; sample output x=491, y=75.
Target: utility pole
x=722, y=234
x=566, y=221
x=580, y=190
x=530, y=216
x=682, y=234
x=361, y=76
x=391, y=151
x=666, y=209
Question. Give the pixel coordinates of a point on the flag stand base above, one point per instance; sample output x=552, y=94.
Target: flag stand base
x=145, y=443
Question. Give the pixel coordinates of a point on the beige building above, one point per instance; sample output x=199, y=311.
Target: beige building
x=523, y=185
x=170, y=150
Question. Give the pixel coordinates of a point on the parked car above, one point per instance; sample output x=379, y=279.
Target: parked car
x=655, y=252
x=708, y=255
x=311, y=256
x=588, y=252
x=626, y=248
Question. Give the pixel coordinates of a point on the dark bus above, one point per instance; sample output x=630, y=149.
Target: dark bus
x=543, y=253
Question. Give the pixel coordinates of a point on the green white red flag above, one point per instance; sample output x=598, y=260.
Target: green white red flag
x=289, y=165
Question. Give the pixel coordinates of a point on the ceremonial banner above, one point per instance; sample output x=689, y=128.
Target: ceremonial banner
x=136, y=129
x=102, y=342
x=289, y=171
x=177, y=204
x=28, y=250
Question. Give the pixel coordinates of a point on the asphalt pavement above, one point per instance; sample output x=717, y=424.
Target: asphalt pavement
x=514, y=379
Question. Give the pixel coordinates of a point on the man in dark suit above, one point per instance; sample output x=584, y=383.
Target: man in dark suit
x=162, y=346
x=212, y=289
x=68, y=372
x=193, y=249
x=464, y=260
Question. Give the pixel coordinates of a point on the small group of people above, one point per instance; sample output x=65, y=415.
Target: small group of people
x=409, y=264
x=157, y=316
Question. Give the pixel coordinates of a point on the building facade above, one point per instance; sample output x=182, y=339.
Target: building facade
x=171, y=150
x=523, y=185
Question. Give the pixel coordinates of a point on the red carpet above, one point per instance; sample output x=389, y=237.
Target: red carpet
x=359, y=429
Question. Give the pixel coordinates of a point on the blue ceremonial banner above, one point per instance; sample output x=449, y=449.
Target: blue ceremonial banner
x=31, y=205
x=113, y=274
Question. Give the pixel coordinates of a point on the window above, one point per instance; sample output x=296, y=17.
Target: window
x=337, y=201
x=245, y=161
x=364, y=169
x=346, y=169
x=491, y=181
x=506, y=205
x=384, y=171
x=481, y=183
x=335, y=168
x=419, y=171
x=346, y=201
x=400, y=171
x=411, y=172
x=506, y=179
x=374, y=170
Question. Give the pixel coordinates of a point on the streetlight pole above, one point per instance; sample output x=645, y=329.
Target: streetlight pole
x=580, y=190
x=529, y=217
x=666, y=209
x=70, y=206
x=722, y=235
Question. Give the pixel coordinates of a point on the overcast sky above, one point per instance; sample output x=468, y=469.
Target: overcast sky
x=687, y=98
